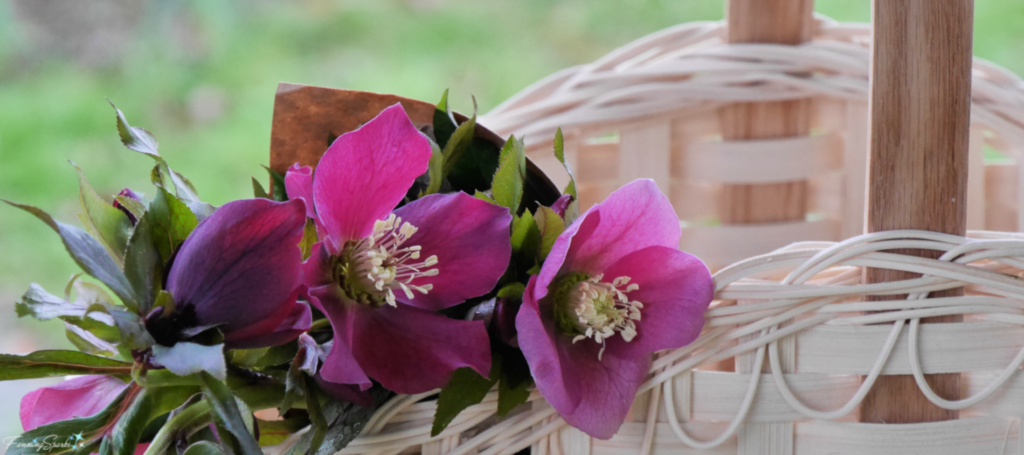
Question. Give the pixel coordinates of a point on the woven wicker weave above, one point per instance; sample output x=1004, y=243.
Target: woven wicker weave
x=648, y=110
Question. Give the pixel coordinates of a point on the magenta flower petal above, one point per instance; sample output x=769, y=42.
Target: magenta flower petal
x=470, y=238
x=675, y=288
x=340, y=366
x=607, y=388
x=345, y=392
x=79, y=397
x=633, y=217
x=538, y=339
x=291, y=320
x=590, y=394
x=561, y=204
x=409, y=350
x=366, y=173
x=317, y=270
x=240, y=263
x=298, y=184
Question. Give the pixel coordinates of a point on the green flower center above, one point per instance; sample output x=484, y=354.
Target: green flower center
x=371, y=269
x=587, y=308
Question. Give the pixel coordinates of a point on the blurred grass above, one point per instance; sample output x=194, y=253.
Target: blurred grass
x=234, y=53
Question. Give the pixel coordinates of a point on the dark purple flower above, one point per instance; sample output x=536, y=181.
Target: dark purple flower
x=613, y=290
x=380, y=273
x=239, y=271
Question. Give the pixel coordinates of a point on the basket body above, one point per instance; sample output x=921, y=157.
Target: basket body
x=650, y=109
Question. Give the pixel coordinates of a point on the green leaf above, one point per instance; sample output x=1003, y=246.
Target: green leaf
x=71, y=434
x=344, y=422
x=304, y=364
x=465, y=389
x=89, y=254
x=277, y=188
x=131, y=327
x=160, y=231
x=142, y=141
x=110, y=225
x=572, y=211
x=42, y=305
x=147, y=406
x=136, y=208
x=511, y=396
x=222, y=401
x=526, y=238
x=92, y=319
x=560, y=154
x=444, y=124
x=515, y=380
x=257, y=189
x=484, y=197
x=475, y=169
x=316, y=415
x=273, y=432
x=186, y=358
x=551, y=226
x=248, y=357
x=512, y=290
x=507, y=188
x=203, y=448
x=278, y=355
x=435, y=169
x=42, y=364
x=459, y=142
x=309, y=238
x=184, y=422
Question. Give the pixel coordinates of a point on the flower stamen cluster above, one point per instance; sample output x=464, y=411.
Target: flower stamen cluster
x=380, y=264
x=598, y=310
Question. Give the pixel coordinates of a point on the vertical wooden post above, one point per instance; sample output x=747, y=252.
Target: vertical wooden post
x=920, y=121
x=778, y=22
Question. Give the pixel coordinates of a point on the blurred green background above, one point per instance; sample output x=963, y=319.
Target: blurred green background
x=201, y=75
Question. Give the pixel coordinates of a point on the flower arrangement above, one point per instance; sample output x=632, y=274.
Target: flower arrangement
x=410, y=261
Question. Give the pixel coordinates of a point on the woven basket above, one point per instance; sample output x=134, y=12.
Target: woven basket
x=648, y=109
x=797, y=312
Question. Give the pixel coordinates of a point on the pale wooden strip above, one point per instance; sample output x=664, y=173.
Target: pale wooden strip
x=767, y=438
x=574, y=442
x=855, y=164
x=592, y=193
x=547, y=162
x=943, y=348
x=1001, y=198
x=976, y=179
x=717, y=395
x=719, y=246
x=630, y=438
x=825, y=195
x=763, y=160
x=433, y=448
x=644, y=152
x=978, y=435
x=1007, y=402
x=598, y=162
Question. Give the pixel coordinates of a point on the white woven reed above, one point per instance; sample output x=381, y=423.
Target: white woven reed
x=791, y=292
x=689, y=67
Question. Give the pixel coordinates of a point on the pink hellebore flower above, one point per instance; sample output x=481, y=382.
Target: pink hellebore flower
x=613, y=290
x=79, y=397
x=380, y=273
x=239, y=271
